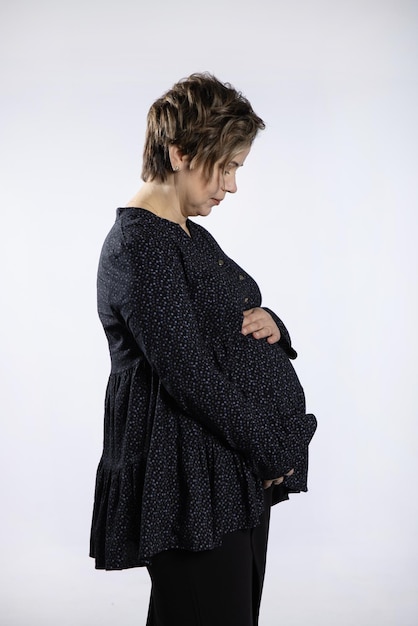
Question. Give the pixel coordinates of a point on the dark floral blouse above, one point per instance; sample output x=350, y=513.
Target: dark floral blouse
x=196, y=414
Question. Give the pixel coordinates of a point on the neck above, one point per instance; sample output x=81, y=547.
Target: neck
x=161, y=199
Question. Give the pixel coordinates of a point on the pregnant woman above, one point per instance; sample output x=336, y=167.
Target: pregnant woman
x=205, y=423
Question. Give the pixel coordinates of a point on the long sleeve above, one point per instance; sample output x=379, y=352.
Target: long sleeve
x=195, y=414
x=152, y=296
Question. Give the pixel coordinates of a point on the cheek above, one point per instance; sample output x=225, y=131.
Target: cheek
x=209, y=188
x=214, y=184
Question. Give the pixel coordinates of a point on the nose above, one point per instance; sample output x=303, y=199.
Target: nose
x=229, y=183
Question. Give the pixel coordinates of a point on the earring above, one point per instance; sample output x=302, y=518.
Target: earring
x=176, y=169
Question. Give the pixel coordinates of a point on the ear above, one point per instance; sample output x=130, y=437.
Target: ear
x=177, y=158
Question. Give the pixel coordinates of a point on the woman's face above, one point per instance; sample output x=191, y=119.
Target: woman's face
x=198, y=195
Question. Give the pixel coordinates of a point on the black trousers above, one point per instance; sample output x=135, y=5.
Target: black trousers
x=220, y=587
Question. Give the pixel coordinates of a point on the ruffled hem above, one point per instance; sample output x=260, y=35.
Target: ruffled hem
x=186, y=490
x=133, y=520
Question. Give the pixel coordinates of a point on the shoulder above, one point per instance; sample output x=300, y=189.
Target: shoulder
x=139, y=233
x=138, y=226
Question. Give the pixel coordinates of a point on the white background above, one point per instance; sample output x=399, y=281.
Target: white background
x=324, y=219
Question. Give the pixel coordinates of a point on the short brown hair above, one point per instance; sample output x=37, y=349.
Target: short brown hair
x=208, y=120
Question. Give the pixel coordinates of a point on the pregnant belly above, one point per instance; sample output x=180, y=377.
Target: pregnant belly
x=265, y=373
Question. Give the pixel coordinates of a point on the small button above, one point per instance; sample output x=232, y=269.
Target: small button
x=241, y=276
x=246, y=300
x=221, y=262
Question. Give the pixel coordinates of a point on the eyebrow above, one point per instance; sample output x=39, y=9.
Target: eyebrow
x=236, y=164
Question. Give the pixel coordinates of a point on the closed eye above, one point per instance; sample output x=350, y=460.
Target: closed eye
x=232, y=165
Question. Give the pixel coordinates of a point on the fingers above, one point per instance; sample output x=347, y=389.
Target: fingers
x=259, y=323
x=277, y=481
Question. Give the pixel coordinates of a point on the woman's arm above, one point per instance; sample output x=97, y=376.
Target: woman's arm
x=152, y=295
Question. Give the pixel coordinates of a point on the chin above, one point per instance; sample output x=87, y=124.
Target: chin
x=204, y=211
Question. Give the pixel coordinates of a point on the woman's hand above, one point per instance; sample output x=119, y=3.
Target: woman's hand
x=276, y=481
x=260, y=324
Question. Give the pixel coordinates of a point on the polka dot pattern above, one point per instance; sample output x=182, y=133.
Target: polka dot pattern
x=196, y=414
